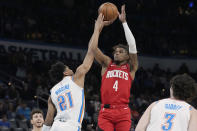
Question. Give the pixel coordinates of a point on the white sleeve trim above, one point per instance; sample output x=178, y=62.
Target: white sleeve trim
x=130, y=38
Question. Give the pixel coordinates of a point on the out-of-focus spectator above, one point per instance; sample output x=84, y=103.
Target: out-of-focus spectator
x=90, y=127
x=135, y=114
x=23, y=111
x=4, y=123
x=11, y=112
x=12, y=93
x=21, y=72
x=2, y=90
x=3, y=109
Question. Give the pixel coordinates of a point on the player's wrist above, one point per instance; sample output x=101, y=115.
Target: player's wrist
x=124, y=23
x=97, y=31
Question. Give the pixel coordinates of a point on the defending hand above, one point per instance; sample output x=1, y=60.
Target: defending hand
x=100, y=23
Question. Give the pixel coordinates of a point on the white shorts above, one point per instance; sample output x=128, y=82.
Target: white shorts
x=64, y=126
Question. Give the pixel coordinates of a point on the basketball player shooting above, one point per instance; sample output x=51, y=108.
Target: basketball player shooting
x=117, y=77
x=174, y=113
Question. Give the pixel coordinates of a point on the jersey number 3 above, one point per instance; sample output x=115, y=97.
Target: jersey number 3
x=115, y=86
x=168, y=124
x=64, y=101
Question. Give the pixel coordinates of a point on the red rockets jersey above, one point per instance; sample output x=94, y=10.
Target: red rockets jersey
x=116, y=85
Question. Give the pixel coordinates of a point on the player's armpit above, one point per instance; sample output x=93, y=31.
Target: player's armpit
x=193, y=120
x=50, y=113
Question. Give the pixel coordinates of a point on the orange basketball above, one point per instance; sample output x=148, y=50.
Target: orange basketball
x=109, y=10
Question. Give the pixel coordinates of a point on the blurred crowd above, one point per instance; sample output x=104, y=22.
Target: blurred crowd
x=24, y=87
x=162, y=28
x=168, y=26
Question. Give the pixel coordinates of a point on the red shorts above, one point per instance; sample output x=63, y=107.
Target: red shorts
x=114, y=118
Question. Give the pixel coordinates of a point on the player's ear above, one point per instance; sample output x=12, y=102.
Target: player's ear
x=65, y=73
x=31, y=121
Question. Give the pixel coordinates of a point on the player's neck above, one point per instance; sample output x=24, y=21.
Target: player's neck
x=118, y=63
x=172, y=97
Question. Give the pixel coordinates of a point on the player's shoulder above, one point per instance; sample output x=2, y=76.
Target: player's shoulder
x=161, y=100
x=152, y=104
x=158, y=102
x=193, y=111
x=191, y=108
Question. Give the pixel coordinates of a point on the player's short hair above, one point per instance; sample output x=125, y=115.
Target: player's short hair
x=126, y=47
x=183, y=86
x=34, y=111
x=56, y=72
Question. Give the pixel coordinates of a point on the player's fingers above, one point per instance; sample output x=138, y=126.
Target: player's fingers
x=100, y=16
x=123, y=9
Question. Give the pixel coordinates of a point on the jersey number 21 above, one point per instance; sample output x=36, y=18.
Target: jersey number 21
x=63, y=99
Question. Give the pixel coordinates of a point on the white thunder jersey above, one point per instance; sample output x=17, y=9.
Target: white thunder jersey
x=69, y=101
x=169, y=115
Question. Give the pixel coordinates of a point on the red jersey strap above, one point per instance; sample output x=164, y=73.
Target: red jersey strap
x=110, y=64
x=128, y=66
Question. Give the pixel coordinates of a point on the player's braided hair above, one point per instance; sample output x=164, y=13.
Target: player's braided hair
x=183, y=86
x=56, y=72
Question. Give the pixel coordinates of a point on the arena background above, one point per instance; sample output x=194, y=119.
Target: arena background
x=36, y=33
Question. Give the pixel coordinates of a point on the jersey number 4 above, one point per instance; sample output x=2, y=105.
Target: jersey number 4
x=168, y=124
x=64, y=101
x=115, y=86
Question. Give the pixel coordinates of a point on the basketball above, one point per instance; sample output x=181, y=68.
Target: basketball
x=109, y=10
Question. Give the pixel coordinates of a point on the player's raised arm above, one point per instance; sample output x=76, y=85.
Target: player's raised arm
x=144, y=120
x=50, y=115
x=81, y=71
x=131, y=42
x=88, y=60
x=101, y=58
